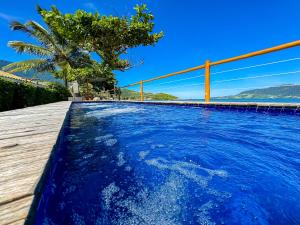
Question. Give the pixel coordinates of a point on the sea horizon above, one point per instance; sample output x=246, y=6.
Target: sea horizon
x=273, y=100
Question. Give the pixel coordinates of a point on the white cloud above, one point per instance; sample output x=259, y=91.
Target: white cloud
x=91, y=6
x=7, y=17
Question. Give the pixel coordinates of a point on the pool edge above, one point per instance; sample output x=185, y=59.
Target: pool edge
x=265, y=107
x=46, y=171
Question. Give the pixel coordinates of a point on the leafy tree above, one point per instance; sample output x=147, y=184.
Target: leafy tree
x=64, y=47
x=54, y=52
x=98, y=75
x=108, y=36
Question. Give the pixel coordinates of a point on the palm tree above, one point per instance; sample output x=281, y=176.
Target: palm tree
x=54, y=52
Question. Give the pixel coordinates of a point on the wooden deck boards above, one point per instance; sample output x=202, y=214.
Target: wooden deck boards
x=27, y=137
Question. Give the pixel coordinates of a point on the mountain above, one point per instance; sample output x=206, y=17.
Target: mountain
x=32, y=74
x=134, y=95
x=283, y=91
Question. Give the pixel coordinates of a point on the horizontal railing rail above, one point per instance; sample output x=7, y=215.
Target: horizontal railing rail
x=207, y=66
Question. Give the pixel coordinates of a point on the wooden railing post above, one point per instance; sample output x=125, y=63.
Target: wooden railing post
x=141, y=90
x=207, y=81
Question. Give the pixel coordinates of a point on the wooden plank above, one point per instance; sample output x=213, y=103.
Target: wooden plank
x=48, y=138
x=19, y=222
x=27, y=137
x=15, y=211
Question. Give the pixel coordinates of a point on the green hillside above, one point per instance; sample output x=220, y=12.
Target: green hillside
x=133, y=95
x=32, y=74
x=283, y=91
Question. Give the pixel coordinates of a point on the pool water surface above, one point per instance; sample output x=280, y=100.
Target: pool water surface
x=125, y=163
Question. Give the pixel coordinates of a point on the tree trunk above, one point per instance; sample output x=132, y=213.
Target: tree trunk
x=65, y=80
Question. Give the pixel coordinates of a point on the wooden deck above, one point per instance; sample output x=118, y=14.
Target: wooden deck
x=27, y=137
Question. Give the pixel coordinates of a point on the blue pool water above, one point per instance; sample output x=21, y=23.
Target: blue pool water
x=148, y=164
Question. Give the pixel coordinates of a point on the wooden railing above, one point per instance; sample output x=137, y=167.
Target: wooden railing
x=207, y=66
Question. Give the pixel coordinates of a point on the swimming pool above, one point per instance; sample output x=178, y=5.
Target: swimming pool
x=126, y=163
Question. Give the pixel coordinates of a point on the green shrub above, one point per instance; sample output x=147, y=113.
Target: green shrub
x=7, y=90
x=59, y=90
x=19, y=95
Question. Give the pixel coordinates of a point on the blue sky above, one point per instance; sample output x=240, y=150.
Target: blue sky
x=195, y=30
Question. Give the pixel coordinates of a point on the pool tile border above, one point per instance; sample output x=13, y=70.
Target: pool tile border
x=272, y=108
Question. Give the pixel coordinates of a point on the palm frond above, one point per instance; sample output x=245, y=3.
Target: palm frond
x=15, y=25
x=59, y=39
x=37, y=27
x=38, y=65
x=47, y=66
x=24, y=47
x=40, y=33
x=51, y=39
x=39, y=9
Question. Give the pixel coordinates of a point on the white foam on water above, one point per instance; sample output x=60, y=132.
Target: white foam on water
x=77, y=219
x=107, y=139
x=203, y=217
x=103, y=138
x=143, y=154
x=108, y=192
x=128, y=168
x=113, y=111
x=91, y=106
x=161, y=206
x=220, y=195
x=110, y=142
x=121, y=161
x=88, y=156
x=191, y=171
x=219, y=173
x=176, y=166
x=187, y=169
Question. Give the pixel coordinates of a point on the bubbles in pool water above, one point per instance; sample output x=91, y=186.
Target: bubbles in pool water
x=187, y=169
x=91, y=106
x=165, y=204
x=103, y=138
x=161, y=206
x=108, y=192
x=104, y=157
x=77, y=219
x=107, y=139
x=110, y=142
x=143, y=154
x=86, y=156
x=112, y=112
x=203, y=216
x=121, y=161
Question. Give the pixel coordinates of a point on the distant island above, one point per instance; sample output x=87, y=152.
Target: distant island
x=134, y=95
x=283, y=91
